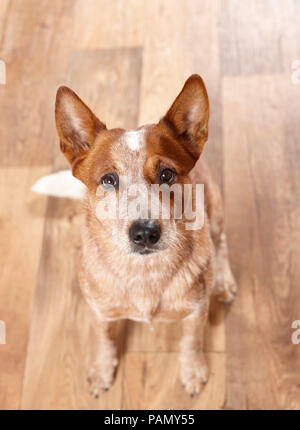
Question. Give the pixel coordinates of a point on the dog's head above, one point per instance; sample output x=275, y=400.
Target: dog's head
x=114, y=164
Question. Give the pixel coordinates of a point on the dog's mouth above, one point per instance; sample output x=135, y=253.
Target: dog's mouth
x=144, y=251
x=147, y=251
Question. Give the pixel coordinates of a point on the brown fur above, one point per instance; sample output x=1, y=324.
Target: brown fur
x=176, y=281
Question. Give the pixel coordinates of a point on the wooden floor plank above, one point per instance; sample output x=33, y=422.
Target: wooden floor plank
x=21, y=230
x=107, y=25
x=262, y=206
x=152, y=389
x=33, y=46
x=261, y=38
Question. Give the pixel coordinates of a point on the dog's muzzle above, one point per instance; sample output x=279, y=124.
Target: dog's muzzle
x=144, y=234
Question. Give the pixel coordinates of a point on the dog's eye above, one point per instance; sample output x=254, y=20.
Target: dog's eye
x=110, y=180
x=167, y=176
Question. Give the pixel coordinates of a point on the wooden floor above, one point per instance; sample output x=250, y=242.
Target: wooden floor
x=128, y=60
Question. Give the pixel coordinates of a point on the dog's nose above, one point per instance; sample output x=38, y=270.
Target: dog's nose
x=145, y=233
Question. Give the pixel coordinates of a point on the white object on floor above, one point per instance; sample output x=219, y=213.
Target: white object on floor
x=60, y=184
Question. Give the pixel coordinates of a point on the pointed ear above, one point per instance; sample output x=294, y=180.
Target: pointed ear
x=188, y=116
x=76, y=125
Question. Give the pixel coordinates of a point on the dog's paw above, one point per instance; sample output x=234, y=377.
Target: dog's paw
x=225, y=287
x=101, y=377
x=226, y=297
x=194, y=374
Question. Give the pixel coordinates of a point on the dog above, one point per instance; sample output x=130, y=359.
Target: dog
x=145, y=269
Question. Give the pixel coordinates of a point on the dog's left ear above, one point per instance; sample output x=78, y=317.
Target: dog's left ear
x=189, y=114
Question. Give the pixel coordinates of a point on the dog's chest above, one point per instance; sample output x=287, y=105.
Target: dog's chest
x=143, y=293
x=148, y=302
x=144, y=308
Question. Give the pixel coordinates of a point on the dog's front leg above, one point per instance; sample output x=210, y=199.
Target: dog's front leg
x=193, y=368
x=101, y=374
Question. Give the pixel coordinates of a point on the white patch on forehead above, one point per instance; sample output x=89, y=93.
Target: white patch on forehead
x=129, y=154
x=134, y=139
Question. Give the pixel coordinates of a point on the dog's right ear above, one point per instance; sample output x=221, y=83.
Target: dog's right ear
x=76, y=125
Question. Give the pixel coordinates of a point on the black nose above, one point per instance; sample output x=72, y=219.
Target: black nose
x=145, y=233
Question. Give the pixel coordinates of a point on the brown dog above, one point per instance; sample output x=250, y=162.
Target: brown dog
x=147, y=269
